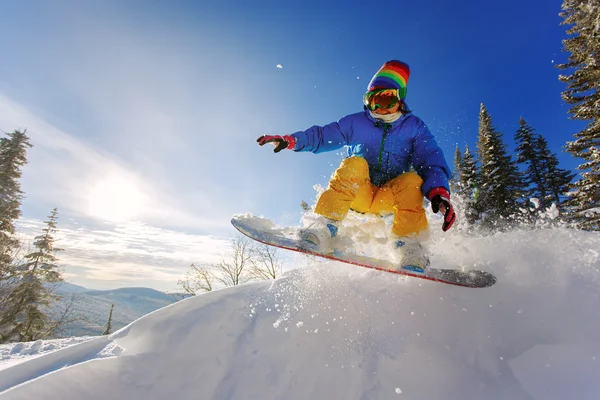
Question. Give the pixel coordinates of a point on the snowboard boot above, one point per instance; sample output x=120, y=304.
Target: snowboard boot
x=413, y=256
x=319, y=235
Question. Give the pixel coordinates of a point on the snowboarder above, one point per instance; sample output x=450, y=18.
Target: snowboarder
x=383, y=141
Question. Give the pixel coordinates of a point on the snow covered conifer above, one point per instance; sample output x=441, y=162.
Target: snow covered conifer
x=13, y=156
x=455, y=182
x=583, y=94
x=557, y=180
x=500, y=182
x=463, y=184
x=468, y=184
x=527, y=154
x=37, y=278
x=544, y=180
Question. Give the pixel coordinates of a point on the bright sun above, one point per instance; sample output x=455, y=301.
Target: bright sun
x=115, y=199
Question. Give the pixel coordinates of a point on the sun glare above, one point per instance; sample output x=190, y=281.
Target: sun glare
x=115, y=199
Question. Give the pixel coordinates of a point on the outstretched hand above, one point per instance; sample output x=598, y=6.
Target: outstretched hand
x=440, y=201
x=280, y=142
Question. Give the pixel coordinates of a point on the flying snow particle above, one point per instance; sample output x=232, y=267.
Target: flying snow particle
x=535, y=201
x=279, y=66
x=398, y=390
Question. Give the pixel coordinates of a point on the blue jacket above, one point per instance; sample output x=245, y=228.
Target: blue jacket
x=390, y=149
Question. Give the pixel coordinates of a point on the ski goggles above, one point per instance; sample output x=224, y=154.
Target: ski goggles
x=381, y=98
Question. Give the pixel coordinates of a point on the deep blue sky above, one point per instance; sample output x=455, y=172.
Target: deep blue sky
x=149, y=110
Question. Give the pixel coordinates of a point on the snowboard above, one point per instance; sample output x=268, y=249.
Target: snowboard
x=470, y=278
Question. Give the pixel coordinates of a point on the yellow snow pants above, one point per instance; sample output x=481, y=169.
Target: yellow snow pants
x=351, y=188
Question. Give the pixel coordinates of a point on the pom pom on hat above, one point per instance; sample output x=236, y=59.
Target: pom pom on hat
x=392, y=75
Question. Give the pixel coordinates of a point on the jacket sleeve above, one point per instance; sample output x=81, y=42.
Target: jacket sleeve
x=428, y=160
x=318, y=139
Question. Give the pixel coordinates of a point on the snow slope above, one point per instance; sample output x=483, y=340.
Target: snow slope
x=15, y=353
x=333, y=331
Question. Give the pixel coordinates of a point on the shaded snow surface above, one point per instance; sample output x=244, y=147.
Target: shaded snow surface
x=332, y=331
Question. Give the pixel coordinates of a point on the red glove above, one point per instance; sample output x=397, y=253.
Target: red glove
x=440, y=201
x=280, y=142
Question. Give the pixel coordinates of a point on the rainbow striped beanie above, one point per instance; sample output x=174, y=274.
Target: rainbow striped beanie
x=392, y=75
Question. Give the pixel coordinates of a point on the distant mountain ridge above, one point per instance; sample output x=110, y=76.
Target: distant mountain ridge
x=71, y=288
x=93, y=306
x=131, y=291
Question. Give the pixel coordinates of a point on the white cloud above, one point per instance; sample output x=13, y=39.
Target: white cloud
x=129, y=254
x=78, y=177
x=75, y=176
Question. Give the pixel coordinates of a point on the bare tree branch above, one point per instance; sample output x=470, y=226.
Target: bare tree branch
x=233, y=271
x=266, y=265
x=197, y=280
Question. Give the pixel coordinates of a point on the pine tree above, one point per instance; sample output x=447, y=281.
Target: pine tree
x=545, y=181
x=13, y=156
x=38, y=276
x=500, y=182
x=455, y=181
x=583, y=94
x=527, y=154
x=468, y=184
x=108, y=329
x=557, y=180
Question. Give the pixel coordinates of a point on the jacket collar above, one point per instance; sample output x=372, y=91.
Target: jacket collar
x=378, y=121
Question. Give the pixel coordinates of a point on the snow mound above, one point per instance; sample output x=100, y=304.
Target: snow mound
x=334, y=331
x=15, y=353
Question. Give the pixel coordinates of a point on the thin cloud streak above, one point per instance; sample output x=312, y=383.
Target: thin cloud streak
x=63, y=170
x=131, y=254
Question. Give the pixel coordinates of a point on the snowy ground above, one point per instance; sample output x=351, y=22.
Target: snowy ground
x=15, y=353
x=333, y=331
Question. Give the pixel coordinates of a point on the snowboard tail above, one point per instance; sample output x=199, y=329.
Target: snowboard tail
x=471, y=278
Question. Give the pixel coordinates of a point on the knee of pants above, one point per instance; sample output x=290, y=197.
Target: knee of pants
x=406, y=189
x=406, y=180
x=383, y=202
x=353, y=168
x=364, y=198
